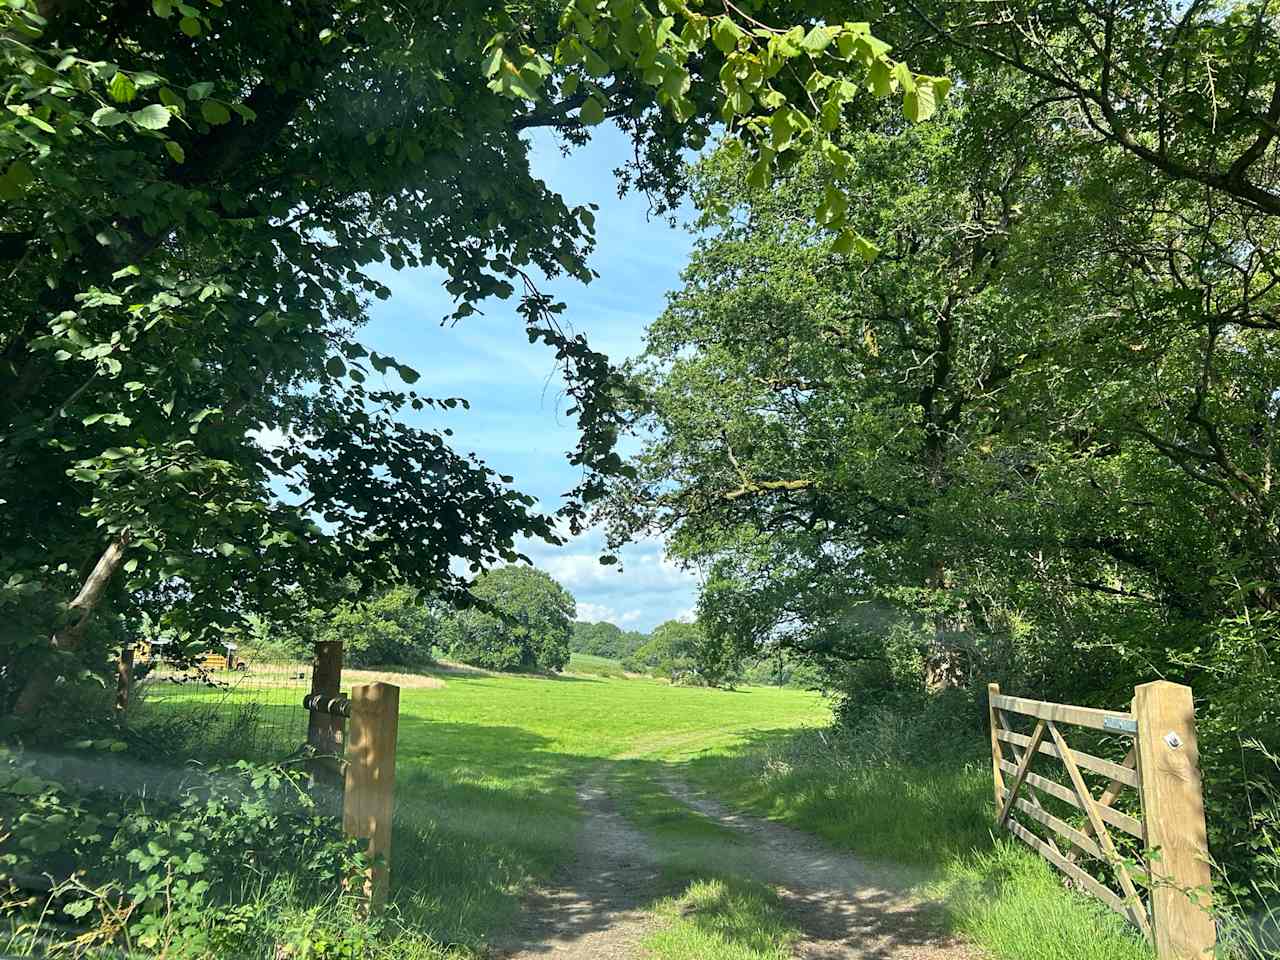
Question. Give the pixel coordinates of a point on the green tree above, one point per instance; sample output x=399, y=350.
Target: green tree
x=679, y=652
x=192, y=202
x=398, y=628
x=523, y=621
x=605, y=640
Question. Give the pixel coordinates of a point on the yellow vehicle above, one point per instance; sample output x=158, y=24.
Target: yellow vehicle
x=226, y=660
x=154, y=652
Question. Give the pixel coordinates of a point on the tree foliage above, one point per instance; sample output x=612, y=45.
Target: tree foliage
x=1033, y=440
x=398, y=628
x=523, y=620
x=605, y=640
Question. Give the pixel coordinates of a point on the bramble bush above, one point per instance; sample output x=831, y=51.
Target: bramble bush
x=182, y=875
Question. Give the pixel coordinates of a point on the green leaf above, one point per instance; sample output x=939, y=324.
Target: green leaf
x=335, y=367
x=122, y=88
x=818, y=39
x=881, y=78
x=226, y=549
x=162, y=8
x=153, y=117
x=79, y=908
x=214, y=112
x=920, y=104
x=198, y=91
x=493, y=62
x=17, y=178
x=190, y=26
x=850, y=241
x=175, y=150
x=725, y=34
x=408, y=374
x=592, y=112
x=108, y=117
x=906, y=80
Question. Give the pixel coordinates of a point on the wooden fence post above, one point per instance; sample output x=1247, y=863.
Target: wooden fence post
x=1173, y=813
x=369, y=802
x=993, y=691
x=124, y=678
x=324, y=731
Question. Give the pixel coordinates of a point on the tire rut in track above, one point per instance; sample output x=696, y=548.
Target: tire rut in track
x=846, y=908
x=595, y=909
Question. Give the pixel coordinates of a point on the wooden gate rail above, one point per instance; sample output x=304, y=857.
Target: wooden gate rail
x=1162, y=765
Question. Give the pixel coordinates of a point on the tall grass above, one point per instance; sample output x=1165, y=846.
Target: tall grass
x=894, y=788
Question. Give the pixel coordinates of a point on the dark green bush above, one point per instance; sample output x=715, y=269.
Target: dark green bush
x=179, y=875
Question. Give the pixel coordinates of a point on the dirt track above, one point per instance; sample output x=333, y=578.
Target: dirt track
x=846, y=908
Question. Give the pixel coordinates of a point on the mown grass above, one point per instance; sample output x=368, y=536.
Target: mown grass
x=487, y=769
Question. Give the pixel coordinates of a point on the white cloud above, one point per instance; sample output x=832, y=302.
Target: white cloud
x=589, y=612
x=271, y=438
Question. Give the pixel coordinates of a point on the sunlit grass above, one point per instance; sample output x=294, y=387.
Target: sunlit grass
x=723, y=919
x=488, y=766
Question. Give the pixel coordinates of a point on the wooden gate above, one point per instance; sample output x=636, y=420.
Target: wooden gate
x=1160, y=883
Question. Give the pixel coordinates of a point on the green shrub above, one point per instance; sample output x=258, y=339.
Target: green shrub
x=182, y=875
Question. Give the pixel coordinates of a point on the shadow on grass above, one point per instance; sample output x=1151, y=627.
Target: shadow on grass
x=490, y=817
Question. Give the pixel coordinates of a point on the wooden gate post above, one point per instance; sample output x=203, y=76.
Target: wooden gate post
x=324, y=731
x=993, y=691
x=369, y=802
x=1173, y=812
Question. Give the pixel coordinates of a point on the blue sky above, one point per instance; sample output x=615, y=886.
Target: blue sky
x=517, y=422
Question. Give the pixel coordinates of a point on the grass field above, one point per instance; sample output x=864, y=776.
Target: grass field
x=591, y=665
x=488, y=765
x=487, y=776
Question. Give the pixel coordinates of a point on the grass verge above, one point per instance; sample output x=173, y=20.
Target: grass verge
x=933, y=815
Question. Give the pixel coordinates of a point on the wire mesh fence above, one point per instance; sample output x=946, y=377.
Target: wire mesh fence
x=241, y=706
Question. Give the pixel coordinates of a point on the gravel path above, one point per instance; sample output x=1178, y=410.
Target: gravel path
x=596, y=908
x=846, y=908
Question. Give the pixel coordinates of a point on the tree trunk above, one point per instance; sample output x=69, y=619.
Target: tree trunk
x=80, y=612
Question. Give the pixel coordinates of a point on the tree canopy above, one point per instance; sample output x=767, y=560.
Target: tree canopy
x=605, y=640
x=523, y=621
x=1032, y=441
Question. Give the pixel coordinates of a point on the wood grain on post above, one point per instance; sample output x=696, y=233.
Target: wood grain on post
x=1173, y=812
x=324, y=732
x=369, y=802
x=993, y=691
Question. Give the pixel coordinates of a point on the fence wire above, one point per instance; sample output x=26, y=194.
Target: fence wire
x=244, y=707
